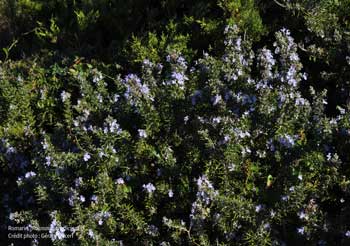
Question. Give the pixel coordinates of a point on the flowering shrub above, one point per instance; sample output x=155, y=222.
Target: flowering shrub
x=225, y=151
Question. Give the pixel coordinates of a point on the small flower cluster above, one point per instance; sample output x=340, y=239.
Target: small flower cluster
x=135, y=89
x=102, y=216
x=57, y=232
x=287, y=140
x=150, y=188
x=205, y=195
x=178, y=69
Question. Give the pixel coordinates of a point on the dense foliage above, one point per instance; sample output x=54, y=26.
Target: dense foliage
x=175, y=122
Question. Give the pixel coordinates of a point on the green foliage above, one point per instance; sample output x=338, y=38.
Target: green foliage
x=176, y=122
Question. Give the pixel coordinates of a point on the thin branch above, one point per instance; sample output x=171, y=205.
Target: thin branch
x=280, y=4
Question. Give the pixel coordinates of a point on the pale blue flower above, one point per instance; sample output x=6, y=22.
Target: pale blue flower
x=301, y=230
x=48, y=160
x=65, y=96
x=56, y=231
x=94, y=198
x=114, y=127
x=267, y=226
x=147, y=63
x=78, y=181
x=258, y=208
x=97, y=77
x=216, y=120
x=150, y=188
x=285, y=198
x=170, y=193
x=100, y=98
x=272, y=213
x=30, y=175
x=45, y=144
x=186, y=118
x=232, y=167
x=142, y=133
x=179, y=78
x=87, y=156
x=120, y=181
x=302, y=215
x=294, y=57
x=144, y=89
x=287, y=141
x=132, y=78
x=216, y=99
x=181, y=62
x=91, y=233
x=82, y=198
x=71, y=199
x=300, y=101
x=291, y=74
x=12, y=216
